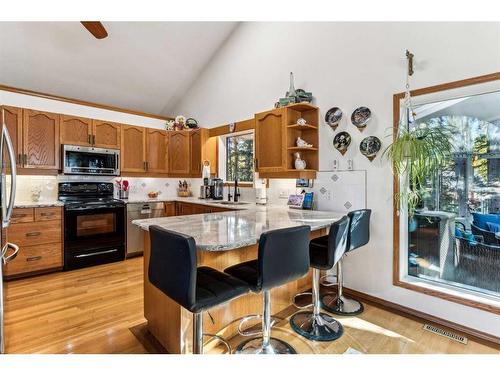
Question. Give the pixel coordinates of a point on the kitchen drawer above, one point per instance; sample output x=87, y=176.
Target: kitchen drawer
x=36, y=233
x=22, y=215
x=35, y=258
x=48, y=213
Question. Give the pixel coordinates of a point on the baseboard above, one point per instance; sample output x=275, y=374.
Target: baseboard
x=479, y=336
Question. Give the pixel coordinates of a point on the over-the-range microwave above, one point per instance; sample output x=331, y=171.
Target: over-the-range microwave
x=91, y=160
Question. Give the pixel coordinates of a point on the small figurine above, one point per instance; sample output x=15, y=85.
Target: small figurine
x=170, y=125
x=181, y=122
x=299, y=162
x=301, y=143
x=301, y=121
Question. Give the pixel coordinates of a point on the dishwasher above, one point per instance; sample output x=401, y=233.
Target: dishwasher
x=135, y=235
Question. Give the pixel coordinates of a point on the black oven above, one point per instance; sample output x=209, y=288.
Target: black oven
x=94, y=225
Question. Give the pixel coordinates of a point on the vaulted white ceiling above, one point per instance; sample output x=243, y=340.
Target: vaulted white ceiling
x=145, y=66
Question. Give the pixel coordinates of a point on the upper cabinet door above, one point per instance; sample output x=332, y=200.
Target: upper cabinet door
x=269, y=141
x=106, y=134
x=76, y=131
x=40, y=139
x=133, y=148
x=157, y=151
x=13, y=118
x=196, y=153
x=178, y=151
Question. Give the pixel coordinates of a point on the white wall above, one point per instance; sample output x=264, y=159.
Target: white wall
x=349, y=65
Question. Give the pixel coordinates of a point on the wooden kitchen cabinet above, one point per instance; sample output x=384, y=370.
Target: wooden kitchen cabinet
x=157, y=151
x=269, y=141
x=133, y=148
x=202, y=148
x=39, y=234
x=276, y=133
x=76, y=131
x=40, y=139
x=13, y=119
x=179, y=153
x=170, y=208
x=106, y=134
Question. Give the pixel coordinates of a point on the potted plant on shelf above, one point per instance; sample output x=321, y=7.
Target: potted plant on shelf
x=417, y=152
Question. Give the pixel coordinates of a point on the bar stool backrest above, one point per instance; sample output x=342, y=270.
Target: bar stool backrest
x=359, y=228
x=337, y=240
x=172, y=265
x=283, y=256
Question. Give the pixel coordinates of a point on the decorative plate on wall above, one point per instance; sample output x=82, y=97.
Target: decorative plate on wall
x=342, y=141
x=370, y=146
x=333, y=117
x=360, y=117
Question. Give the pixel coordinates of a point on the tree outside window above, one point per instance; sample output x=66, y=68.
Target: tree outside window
x=239, y=158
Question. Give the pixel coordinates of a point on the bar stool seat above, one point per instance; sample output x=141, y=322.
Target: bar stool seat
x=173, y=270
x=214, y=288
x=283, y=257
x=247, y=272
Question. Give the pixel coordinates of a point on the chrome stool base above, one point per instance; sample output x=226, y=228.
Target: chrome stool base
x=342, y=305
x=254, y=346
x=320, y=327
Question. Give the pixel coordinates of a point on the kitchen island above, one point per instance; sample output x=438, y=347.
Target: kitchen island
x=223, y=239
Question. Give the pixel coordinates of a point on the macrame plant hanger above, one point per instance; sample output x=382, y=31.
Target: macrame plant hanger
x=407, y=98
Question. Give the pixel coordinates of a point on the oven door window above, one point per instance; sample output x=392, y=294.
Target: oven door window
x=77, y=159
x=95, y=224
x=93, y=228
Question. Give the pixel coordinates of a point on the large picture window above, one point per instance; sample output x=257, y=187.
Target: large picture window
x=453, y=240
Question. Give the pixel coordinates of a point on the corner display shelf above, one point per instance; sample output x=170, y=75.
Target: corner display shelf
x=308, y=133
x=278, y=125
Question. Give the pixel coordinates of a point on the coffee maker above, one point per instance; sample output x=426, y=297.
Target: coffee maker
x=205, y=189
x=216, y=189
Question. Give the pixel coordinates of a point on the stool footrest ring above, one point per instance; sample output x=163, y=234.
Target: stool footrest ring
x=224, y=341
x=254, y=332
x=300, y=307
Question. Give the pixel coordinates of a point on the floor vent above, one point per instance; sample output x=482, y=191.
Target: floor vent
x=442, y=332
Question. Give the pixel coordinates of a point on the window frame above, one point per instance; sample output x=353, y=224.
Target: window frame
x=400, y=277
x=222, y=157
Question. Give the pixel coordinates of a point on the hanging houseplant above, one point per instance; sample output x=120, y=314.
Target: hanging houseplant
x=417, y=152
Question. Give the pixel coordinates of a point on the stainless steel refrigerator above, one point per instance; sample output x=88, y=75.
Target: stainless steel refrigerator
x=8, y=193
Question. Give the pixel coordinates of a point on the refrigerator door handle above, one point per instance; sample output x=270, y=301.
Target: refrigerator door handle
x=12, y=157
x=11, y=257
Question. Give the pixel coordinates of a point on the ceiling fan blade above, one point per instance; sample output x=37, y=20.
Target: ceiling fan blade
x=96, y=29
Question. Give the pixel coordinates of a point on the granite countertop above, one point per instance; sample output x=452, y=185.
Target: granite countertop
x=31, y=204
x=234, y=229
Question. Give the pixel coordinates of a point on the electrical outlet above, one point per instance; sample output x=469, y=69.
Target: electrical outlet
x=283, y=194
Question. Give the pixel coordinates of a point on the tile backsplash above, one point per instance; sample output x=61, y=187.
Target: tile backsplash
x=140, y=186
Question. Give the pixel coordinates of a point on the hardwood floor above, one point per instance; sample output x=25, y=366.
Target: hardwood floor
x=99, y=310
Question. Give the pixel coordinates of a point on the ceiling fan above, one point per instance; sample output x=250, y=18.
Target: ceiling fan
x=95, y=28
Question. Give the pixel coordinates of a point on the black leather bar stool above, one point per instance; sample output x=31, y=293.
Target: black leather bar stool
x=283, y=257
x=173, y=270
x=315, y=325
x=359, y=235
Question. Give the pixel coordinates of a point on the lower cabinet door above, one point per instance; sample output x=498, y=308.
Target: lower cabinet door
x=35, y=258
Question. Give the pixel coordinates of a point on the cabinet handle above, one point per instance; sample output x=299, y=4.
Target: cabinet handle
x=18, y=216
x=25, y=157
x=33, y=234
x=89, y=139
x=33, y=259
x=20, y=159
x=256, y=162
x=93, y=139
